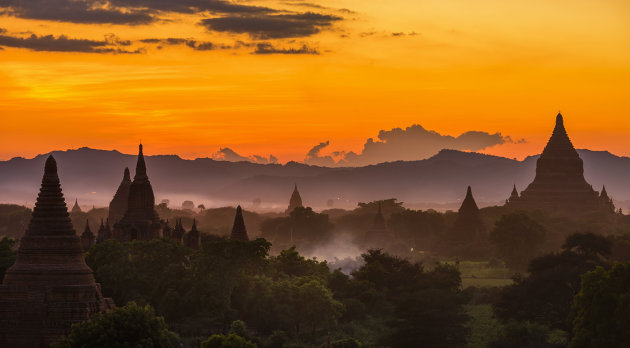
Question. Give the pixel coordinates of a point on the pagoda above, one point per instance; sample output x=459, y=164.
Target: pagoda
x=239, y=232
x=87, y=237
x=118, y=205
x=468, y=226
x=76, y=208
x=295, y=201
x=559, y=184
x=141, y=221
x=378, y=234
x=191, y=239
x=49, y=287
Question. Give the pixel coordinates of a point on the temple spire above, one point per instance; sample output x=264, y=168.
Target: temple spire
x=50, y=215
x=604, y=194
x=468, y=205
x=141, y=167
x=76, y=208
x=126, y=175
x=239, y=232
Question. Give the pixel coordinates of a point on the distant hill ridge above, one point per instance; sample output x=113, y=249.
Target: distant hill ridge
x=93, y=176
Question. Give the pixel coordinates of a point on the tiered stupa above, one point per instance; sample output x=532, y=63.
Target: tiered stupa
x=140, y=221
x=378, y=234
x=76, y=208
x=559, y=184
x=468, y=226
x=239, y=232
x=295, y=201
x=191, y=239
x=118, y=205
x=49, y=287
x=87, y=237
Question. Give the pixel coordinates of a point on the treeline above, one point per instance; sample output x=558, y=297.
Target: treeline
x=285, y=300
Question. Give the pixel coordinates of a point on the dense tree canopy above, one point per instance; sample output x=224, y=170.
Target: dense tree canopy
x=600, y=310
x=517, y=237
x=127, y=326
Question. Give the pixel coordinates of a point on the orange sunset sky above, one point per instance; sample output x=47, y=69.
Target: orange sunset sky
x=279, y=77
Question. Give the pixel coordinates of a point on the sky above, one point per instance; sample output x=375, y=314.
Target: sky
x=325, y=82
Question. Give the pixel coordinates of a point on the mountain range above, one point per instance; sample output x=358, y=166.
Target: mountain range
x=92, y=176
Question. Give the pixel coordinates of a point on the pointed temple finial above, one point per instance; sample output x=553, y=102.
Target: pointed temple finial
x=604, y=194
x=468, y=205
x=76, y=208
x=126, y=175
x=141, y=168
x=559, y=120
x=239, y=232
x=295, y=200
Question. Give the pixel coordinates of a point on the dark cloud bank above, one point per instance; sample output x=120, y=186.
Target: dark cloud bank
x=409, y=144
x=62, y=43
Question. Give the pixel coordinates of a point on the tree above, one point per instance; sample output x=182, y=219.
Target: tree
x=600, y=309
x=524, y=335
x=517, y=238
x=546, y=295
x=423, y=306
x=128, y=326
x=231, y=341
x=201, y=207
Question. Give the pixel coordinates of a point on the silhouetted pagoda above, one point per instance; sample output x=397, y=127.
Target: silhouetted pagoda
x=191, y=239
x=178, y=232
x=87, y=237
x=140, y=221
x=118, y=205
x=468, y=226
x=513, y=196
x=239, y=232
x=559, y=184
x=49, y=287
x=104, y=232
x=295, y=201
x=378, y=234
x=76, y=208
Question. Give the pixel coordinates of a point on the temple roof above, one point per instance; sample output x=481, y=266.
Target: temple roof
x=50, y=215
x=559, y=144
x=76, y=208
x=239, y=232
x=87, y=231
x=50, y=251
x=468, y=205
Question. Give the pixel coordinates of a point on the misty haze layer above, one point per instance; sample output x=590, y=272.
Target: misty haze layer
x=92, y=176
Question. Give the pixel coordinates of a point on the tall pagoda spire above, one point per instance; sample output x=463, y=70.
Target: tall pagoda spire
x=469, y=206
x=87, y=237
x=140, y=221
x=192, y=238
x=239, y=232
x=49, y=287
x=76, y=208
x=559, y=185
x=295, y=201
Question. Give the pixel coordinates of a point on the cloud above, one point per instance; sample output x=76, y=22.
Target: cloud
x=267, y=48
x=314, y=157
x=409, y=144
x=76, y=11
x=227, y=154
x=194, y=44
x=272, y=26
x=62, y=43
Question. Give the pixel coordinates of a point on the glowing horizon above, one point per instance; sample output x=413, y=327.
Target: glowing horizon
x=449, y=66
